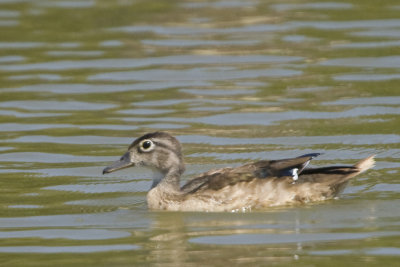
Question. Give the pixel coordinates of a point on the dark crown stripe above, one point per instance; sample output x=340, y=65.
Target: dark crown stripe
x=157, y=138
x=147, y=136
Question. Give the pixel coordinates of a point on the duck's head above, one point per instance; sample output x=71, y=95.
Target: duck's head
x=158, y=150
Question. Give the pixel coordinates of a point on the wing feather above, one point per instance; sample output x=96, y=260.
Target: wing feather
x=265, y=169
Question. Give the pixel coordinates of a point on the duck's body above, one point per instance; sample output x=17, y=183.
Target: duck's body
x=252, y=186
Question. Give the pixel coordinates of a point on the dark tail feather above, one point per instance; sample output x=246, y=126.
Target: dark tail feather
x=336, y=177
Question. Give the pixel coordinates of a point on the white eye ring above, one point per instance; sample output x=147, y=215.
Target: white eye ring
x=146, y=145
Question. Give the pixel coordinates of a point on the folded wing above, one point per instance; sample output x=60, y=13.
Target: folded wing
x=265, y=169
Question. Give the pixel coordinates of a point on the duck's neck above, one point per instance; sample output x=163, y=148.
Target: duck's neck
x=168, y=181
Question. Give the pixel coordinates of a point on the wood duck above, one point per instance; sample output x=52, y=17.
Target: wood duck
x=254, y=185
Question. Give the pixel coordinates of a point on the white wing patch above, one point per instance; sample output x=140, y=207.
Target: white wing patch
x=295, y=176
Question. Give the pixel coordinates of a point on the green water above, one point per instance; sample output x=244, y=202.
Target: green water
x=235, y=81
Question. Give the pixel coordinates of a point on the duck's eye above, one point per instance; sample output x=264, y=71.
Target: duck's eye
x=147, y=145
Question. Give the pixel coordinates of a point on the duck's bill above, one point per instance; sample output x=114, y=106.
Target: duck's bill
x=123, y=163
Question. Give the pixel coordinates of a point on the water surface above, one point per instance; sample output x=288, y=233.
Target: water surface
x=235, y=81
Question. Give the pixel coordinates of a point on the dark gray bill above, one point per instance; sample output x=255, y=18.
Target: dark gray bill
x=122, y=163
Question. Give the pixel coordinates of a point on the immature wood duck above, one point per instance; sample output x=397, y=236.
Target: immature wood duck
x=254, y=185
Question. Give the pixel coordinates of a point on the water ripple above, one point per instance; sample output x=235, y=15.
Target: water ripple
x=251, y=239
x=50, y=157
x=74, y=234
x=365, y=62
x=197, y=74
x=384, y=100
x=275, y=117
x=188, y=43
x=67, y=249
x=118, y=63
x=84, y=88
x=55, y=105
x=366, y=77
